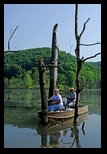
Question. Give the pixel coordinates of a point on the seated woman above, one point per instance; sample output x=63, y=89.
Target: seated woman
x=55, y=102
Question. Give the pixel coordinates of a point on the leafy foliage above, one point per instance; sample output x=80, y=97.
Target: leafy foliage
x=21, y=69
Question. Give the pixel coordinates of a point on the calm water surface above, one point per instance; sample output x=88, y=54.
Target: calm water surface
x=23, y=130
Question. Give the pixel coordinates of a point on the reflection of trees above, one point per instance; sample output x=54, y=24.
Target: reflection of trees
x=56, y=137
x=27, y=118
x=23, y=98
x=32, y=98
x=56, y=130
x=75, y=135
x=7, y=95
x=27, y=97
x=92, y=96
x=44, y=139
x=23, y=118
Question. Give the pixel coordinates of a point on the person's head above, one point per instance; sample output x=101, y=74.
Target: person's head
x=56, y=91
x=72, y=89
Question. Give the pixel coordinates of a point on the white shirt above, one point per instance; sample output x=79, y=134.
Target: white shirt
x=57, y=97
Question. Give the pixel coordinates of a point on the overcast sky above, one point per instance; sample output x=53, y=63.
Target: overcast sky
x=36, y=22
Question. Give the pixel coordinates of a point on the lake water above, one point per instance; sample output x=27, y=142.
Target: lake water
x=23, y=130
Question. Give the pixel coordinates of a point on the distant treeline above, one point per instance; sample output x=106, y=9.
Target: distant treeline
x=21, y=69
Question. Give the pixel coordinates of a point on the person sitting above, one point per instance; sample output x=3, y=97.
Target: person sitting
x=72, y=99
x=55, y=102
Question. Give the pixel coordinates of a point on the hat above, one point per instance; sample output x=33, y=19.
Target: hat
x=72, y=89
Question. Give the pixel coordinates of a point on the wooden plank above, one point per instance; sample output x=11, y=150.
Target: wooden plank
x=62, y=114
x=83, y=109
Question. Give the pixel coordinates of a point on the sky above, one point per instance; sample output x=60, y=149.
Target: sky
x=36, y=22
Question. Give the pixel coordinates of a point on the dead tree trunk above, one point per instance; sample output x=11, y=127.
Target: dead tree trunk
x=54, y=60
x=42, y=81
x=79, y=65
x=79, y=60
x=11, y=35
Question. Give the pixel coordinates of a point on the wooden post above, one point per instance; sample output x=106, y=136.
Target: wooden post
x=54, y=60
x=42, y=81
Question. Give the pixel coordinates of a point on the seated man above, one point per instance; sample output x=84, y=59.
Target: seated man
x=72, y=99
x=55, y=101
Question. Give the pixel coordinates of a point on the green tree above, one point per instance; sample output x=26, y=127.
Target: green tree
x=27, y=81
x=17, y=64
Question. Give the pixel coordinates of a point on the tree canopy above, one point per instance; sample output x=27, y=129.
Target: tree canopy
x=21, y=69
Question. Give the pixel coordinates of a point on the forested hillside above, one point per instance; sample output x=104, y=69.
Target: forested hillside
x=21, y=69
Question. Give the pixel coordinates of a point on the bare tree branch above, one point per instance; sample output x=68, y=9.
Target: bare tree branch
x=91, y=56
x=11, y=35
x=91, y=44
x=76, y=19
x=84, y=27
x=10, y=51
x=52, y=65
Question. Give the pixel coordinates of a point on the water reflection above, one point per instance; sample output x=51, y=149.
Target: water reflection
x=23, y=113
x=56, y=139
x=18, y=121
x=57, y=131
